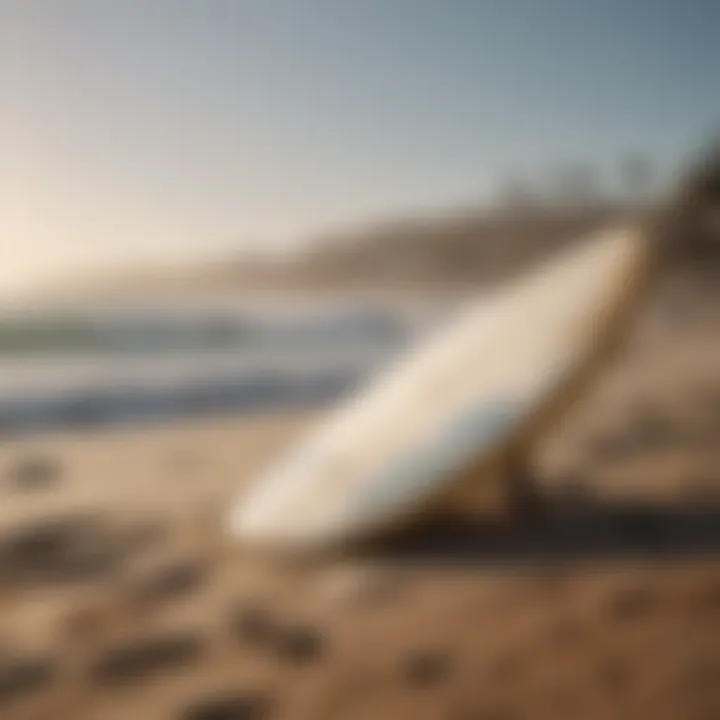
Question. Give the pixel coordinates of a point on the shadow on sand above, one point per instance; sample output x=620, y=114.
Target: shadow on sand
x=571, y=531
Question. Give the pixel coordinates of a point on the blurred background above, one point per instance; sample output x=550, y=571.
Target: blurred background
x=177, y=180
x=192, y=195
x=217, y=220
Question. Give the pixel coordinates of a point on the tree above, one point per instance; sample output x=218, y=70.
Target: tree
x=637, y=176
x=578, y=185
x=517, y=194
x=702, y=181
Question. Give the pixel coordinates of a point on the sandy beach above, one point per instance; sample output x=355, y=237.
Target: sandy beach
x=121, y=596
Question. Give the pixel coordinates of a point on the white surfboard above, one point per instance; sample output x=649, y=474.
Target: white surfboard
x=443, y=417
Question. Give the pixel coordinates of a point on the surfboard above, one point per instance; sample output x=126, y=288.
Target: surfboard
x=448, y=415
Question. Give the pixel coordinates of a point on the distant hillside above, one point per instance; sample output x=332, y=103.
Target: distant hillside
x=468, y=248
x=462, y=249
x=477, y=248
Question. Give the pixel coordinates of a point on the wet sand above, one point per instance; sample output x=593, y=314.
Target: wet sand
x=121, y=598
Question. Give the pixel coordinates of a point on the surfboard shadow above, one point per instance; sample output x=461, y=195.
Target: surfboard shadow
x=572, y=530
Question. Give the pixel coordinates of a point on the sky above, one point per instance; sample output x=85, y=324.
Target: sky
x=165, y=130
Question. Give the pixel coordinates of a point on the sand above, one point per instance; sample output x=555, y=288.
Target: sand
x=120, y=597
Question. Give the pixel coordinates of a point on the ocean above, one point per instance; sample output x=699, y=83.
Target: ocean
x=153, y=359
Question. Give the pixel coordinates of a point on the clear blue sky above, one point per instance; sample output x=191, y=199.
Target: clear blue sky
x=136, y=128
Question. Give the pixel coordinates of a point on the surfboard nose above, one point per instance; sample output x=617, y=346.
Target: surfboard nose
x=279, y=523
x=256, y=525
x=247, y=524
